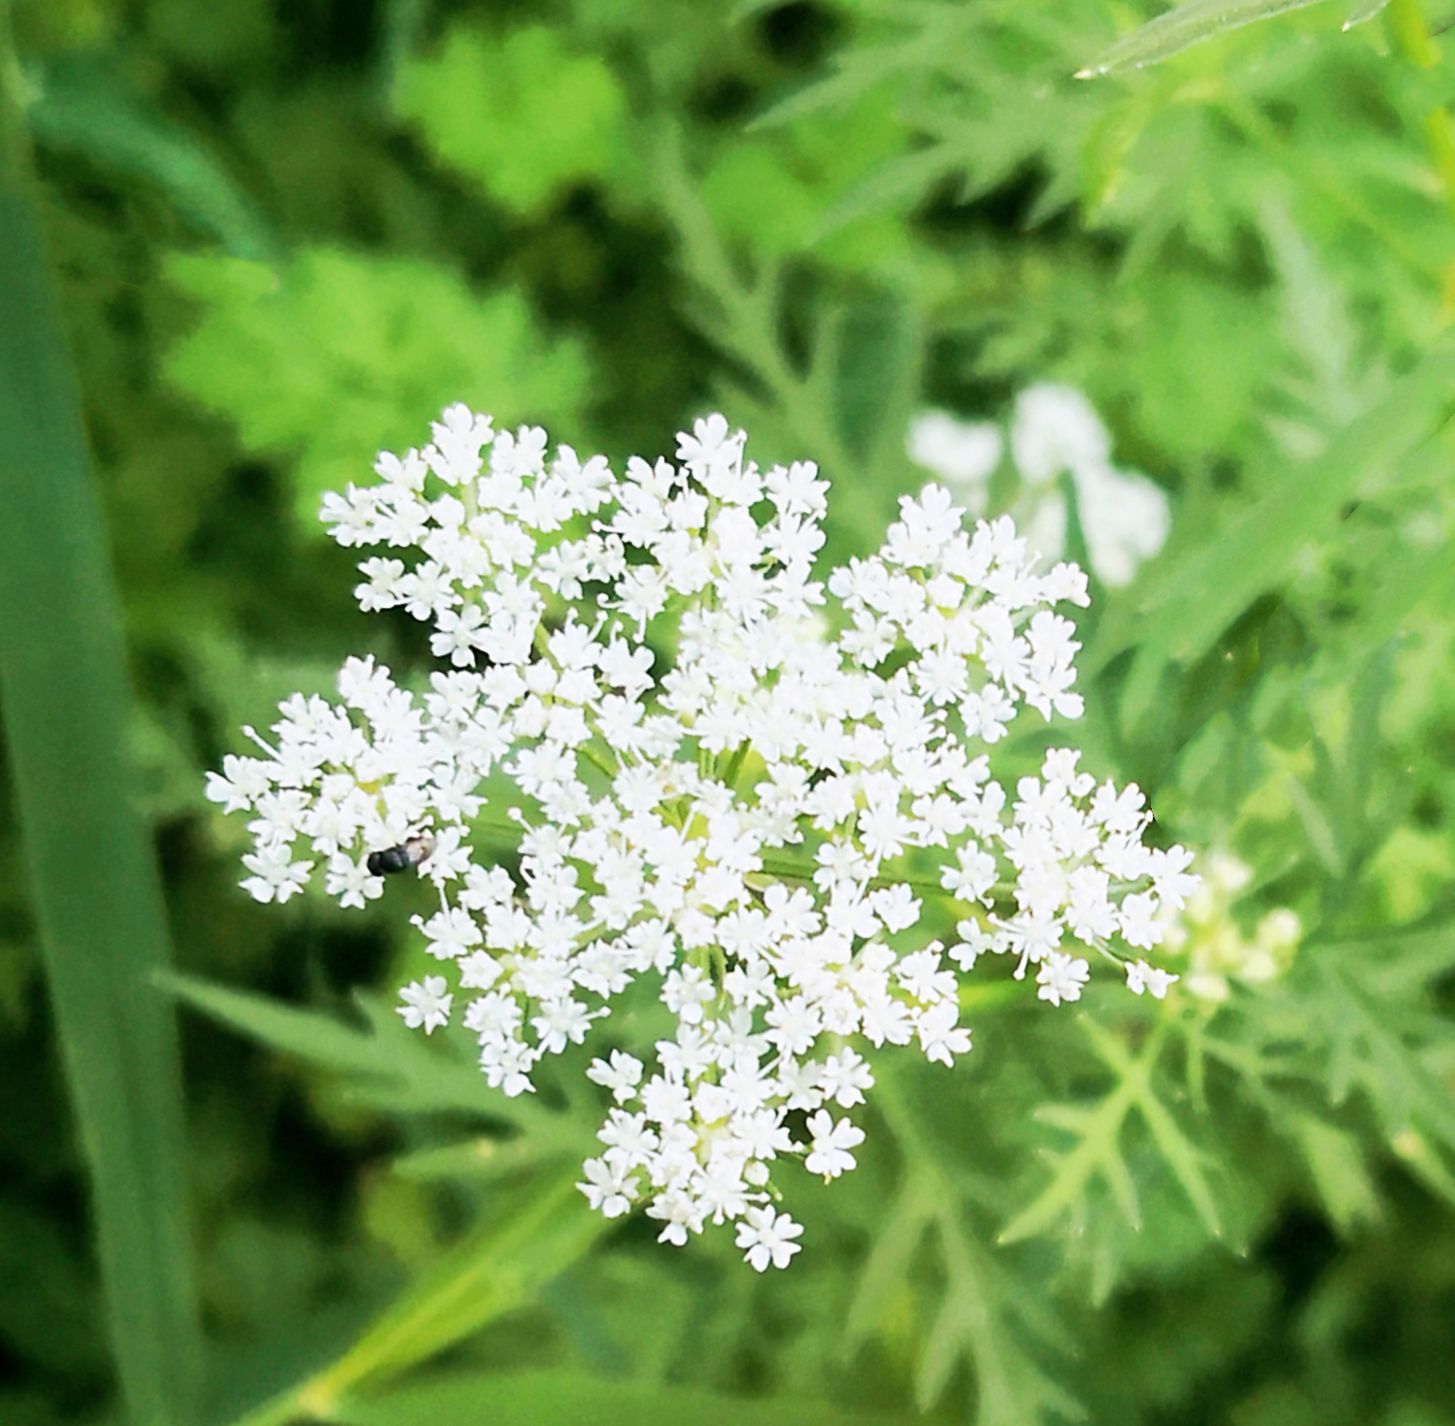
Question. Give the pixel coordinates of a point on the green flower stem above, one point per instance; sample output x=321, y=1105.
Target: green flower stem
x=500, y=1268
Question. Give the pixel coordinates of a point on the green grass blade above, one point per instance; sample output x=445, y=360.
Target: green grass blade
x=65, y=704
x=1362, y=11
x=1182, y=27
x=563, y=1398
x=82, y=109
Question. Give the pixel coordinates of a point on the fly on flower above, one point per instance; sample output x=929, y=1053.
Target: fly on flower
x=408, y=854
x=773, y=827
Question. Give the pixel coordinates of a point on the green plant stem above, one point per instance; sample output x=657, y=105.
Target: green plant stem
x=498, y=1269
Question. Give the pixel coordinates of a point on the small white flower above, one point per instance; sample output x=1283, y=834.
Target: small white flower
x=1143, y=977
x=426, y=1004
x=768, y=1238
x=1055, y=429
x=830, y=1142
x=608, y=1188
x=1061, y=977
x=621, y=1074
x=1054, y=433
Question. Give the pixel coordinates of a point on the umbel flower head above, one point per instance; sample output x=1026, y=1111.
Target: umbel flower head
x=717, y=775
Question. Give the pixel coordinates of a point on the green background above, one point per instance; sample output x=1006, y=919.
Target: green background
x=245, y=245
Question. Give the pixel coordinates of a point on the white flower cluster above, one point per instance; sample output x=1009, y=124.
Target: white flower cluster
x=719, y=774
x=1054, y=432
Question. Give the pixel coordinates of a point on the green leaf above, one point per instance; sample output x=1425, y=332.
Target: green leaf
x=984, y=1317
x=83, y=109
x=92, y=873
x=485, y=1159
x=498, y=1268
x=841, y=397
x=521, y=115
x=542, y=1398
x=360, y=353
x=1182, y=27
x=387, y=1064
x=1337, y=1167
x=1096, y=1150
x=1184, y=604
x=1371, y=1049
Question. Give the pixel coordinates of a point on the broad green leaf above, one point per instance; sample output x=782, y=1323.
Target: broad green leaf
x=501, y=1266
x=91, y=871
x=1180, y=28
x=546, y=1398
x=769, y=190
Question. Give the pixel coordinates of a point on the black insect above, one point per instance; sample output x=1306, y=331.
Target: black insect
x=409, y=853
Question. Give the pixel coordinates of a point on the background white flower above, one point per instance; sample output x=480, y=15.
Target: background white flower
x=1056, y=437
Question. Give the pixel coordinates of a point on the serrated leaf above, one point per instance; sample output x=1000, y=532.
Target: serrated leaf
x=897, y=184
x=1368, y=1050
x=887, y=1266
x=984, y=1317
x=1186, y=25
x=1096, y=1151
x=941, y=1353
x=1183, y=1158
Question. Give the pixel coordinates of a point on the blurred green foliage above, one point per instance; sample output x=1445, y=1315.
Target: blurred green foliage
x=284, y=235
